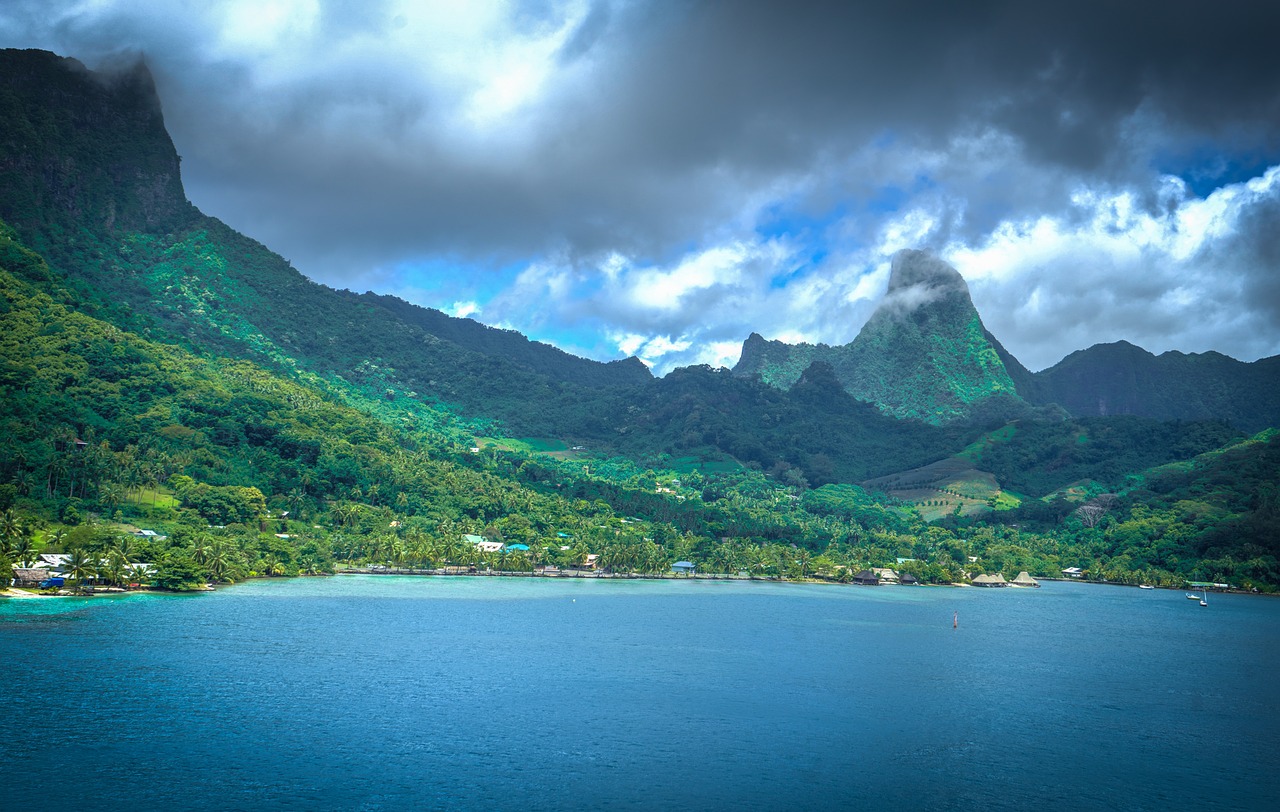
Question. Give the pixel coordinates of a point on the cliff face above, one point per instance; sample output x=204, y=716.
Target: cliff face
x=923, y=354
x=90, y=178
x=84, y=150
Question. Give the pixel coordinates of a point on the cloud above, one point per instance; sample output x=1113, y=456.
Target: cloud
x=581, y=169
x=1198, y=275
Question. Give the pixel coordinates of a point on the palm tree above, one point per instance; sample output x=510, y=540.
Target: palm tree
x=295, y=499
x=25, y=550
x=110, y=495
x=79, y=566
x=114, y=570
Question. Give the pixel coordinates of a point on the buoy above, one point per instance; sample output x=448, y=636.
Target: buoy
x=955, y=621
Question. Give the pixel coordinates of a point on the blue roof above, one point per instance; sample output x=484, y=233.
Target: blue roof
x=516, y=547
x=683, y=564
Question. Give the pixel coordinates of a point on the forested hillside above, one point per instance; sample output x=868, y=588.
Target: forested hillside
x=159, y=370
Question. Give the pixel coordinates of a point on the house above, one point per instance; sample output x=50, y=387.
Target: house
x=682, y=568
x=867, y=578
x=1073, y=572
x=990, y=580
x=481, y=543
x=29, y=576
x=53, y=562
x=516, y=548
x=886, y=575
x=907, y=579
x=1024, y=579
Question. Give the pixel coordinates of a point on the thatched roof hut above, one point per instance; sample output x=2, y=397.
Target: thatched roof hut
x=1024, y=579
x=867, y=578
x=990, y=580
x=28, y=576
x=907, y=579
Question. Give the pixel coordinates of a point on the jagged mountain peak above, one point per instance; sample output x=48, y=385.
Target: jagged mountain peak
x=923, y=354
x=913, y=269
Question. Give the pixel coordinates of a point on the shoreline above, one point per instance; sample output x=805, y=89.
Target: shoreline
x=614, y=576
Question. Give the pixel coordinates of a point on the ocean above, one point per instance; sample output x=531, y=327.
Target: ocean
x=397, y=692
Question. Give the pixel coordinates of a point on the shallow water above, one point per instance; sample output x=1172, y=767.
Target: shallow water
x=375, y=692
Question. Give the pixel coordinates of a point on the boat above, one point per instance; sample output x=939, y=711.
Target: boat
x=1145, y=586
x=1205, y=600
x=1191, y=597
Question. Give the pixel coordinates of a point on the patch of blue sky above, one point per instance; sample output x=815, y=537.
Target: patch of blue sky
x=1206, y=168
x=584, y=341
x=446, y=281
x=784, y=220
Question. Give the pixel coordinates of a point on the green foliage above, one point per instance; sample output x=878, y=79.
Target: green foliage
x=159, y=352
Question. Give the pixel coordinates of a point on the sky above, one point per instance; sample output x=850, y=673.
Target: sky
x=664, y=178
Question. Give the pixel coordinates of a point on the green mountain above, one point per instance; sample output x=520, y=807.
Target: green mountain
x=1121, y=379
x=90, y=179
x=158, y=367
x=923, y=354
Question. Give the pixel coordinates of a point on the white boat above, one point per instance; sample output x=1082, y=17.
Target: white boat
x=1205, y=600
x=1145, y=586
x=1191, y=597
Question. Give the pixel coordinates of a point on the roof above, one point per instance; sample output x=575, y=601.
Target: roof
x=516, y=547
x=990, y=580
x=683, y=565
x=1024, y=578
x=472, y=538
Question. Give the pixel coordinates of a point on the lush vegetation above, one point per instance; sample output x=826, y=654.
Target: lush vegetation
x=160, y=372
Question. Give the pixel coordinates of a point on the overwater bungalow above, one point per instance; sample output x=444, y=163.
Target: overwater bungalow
x=990, y=580
x=907, y=579
x=867, y=578
x=1024, y=579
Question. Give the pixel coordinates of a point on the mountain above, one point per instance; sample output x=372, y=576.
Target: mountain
x=90, y=179
x=156, y=366
x=923, y=354
x=1121, y=379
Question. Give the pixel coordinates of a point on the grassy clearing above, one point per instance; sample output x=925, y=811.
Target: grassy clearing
x=946, y=487
x=687, y=465
x=543, y=446
x=973, y=452
x=152, y=497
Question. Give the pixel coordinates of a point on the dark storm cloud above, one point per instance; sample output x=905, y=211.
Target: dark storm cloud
x=687, y=109
x=353, y=143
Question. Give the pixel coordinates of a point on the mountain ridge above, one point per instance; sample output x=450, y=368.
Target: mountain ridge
x=1117, y=378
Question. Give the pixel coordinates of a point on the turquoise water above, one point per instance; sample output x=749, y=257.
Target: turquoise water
x=381, y=692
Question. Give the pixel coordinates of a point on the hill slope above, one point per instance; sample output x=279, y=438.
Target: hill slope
x=90, y=179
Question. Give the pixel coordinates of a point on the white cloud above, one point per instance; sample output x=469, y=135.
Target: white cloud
x=1168, y=279
x=463, y=310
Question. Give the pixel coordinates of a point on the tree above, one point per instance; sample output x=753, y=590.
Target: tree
x=79, y=566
